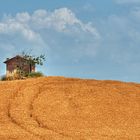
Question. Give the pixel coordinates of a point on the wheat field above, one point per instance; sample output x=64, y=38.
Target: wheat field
x=58, y=108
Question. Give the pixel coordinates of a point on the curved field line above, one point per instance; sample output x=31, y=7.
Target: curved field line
x=20, y=113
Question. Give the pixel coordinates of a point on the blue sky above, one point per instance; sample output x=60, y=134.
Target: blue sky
x=87, y=39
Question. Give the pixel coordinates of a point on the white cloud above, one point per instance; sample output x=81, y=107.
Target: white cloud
x=127, y=1
x=13, y=26
x=62, y=20
x=57, y=20
x=23, y=17
x=39, y=29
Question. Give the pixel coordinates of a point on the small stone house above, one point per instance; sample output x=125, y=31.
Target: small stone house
x=18, y=64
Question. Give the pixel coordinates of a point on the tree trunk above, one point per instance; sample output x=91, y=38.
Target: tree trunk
x=30, y=68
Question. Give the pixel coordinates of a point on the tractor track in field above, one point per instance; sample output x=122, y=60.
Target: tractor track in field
x=30, y=108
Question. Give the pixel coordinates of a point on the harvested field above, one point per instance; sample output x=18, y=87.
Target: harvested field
x=58, y=108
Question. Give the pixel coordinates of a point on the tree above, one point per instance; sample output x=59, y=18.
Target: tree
x=33, y=60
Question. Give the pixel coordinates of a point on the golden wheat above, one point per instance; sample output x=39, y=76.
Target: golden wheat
x=58, y=108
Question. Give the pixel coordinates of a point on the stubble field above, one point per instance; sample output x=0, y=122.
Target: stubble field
x=58, y=108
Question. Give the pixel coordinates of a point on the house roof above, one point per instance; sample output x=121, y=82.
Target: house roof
x=9, y=59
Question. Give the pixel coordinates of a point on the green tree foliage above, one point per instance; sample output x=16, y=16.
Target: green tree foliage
x=34, y=59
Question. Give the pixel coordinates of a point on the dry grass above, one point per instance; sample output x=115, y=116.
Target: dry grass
x=58, y=108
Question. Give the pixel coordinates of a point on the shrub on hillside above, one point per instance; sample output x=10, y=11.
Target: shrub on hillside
x=35, y=74
x=3, y=78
